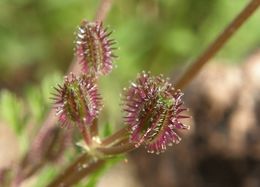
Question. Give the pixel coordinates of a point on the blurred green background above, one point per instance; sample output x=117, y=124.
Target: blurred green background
x=162, y=36
x=37, y=37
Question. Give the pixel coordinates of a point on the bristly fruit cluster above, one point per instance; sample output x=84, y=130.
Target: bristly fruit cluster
x=153, y=108
x=153, y=112
x=94, y=48
x=77, y=100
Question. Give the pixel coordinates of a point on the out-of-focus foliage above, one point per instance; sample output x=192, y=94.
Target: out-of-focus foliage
x=11, y=111
x=23, y=115
x=170, y=31
x=37, y=37
x=39, y=99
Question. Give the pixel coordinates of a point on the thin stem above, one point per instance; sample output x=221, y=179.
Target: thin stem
x=217, y=44
x=85, y=131
x=85, y=165
x=80, y=168
x=91, y=167
x=117, y=149
x=120, y=134
x=103, y=9
x=94, y=128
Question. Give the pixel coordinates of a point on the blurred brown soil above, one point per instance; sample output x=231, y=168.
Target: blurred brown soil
x=223, y=146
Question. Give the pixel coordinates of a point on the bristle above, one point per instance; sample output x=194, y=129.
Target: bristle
x=94, y=48
x=77, y=100
x=153, y=110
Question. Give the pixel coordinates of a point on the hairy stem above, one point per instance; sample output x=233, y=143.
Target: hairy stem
x=194, y=69
x=103, y=10
x=85, y=131
x=94, y=128
x=85, y=165
x=119, y=149
x=117, y=136
x=88, y=164
x=81, y=167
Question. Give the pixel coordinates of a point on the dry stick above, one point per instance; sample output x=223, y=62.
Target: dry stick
x=217, y=44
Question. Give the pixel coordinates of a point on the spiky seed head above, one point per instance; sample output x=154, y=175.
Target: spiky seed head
x=77, y=101
x=94, y=48
x=153, y=110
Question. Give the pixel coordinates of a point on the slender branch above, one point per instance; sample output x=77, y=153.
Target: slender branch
x=85, y=131
x=73, y=174
x=117, y=149
x=83, y=166
x=120, y=134
x=103, y=10
x=217, y=44
x=94, y=128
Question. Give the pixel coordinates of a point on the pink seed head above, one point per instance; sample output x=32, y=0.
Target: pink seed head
x=77, y=100
x=153, y=110
x=94, y=48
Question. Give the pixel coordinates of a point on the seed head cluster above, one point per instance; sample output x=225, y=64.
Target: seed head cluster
x=94, y=48
x=77, y=101
x=153, y=110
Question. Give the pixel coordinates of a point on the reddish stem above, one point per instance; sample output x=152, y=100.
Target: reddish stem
x=83, y=166
x=94, y=128
x=119, y=149
x=217, y=44
x=86, y=134
x=103, y=10
x=117, y=136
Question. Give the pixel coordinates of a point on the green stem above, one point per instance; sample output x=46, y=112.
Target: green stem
x=103, y=9
x=116, y=137
x=119, y=149
x=94, y=128
x=83, y=166
x=85, y=131
x=194, y=69
x=86, y=164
